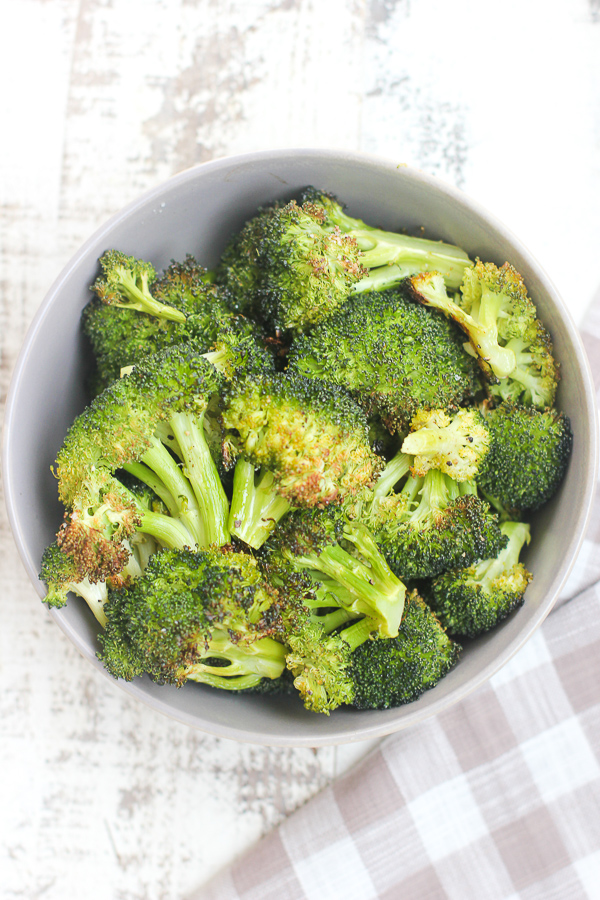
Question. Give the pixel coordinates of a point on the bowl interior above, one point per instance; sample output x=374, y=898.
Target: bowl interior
x=196, y=212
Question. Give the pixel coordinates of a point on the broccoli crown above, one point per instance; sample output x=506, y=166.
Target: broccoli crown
x=239, y=351
x=391, y=672
x=470, y=601
x=117, y=426
x=121, y=337
x=455, y=445
x=534, y=380
x=528, y=456
x=312, y=436
x=126, y=281
x=430, y=525
x=394, y=356
x=203, y=616
x=289, y=269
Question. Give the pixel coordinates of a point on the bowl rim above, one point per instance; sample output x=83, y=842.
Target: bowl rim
x=365, y=731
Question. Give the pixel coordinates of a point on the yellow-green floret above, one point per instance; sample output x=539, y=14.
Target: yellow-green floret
x=454, y=444
x=312, y=437
x=472, y=600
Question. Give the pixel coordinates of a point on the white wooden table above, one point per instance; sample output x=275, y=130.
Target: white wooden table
x=101, y=99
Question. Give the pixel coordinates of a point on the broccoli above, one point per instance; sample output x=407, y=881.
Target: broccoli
x=528, y=456
x=470, y=601
x=59, y=572
x=455, y=445
x=343, y=556
x=296, y=271
x=121, y=336
x=126, y=281
x=432, y=523
x=206, y=615
x=118, y=430
x=534, y=380
x=312, y=437
x=387, y=673
x=481, y=328
x=394, y=356
x=389, y=256
x=352, y=666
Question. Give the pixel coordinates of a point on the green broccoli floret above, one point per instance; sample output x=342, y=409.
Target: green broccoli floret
x=119, y=430
x=470, y=601
x=343, y=557
x=125, y=282
x=121, y=337
x=430, y=524
x=298, y=271
x=349, y=664
x=389, y=256
x=387, y=673
x=312, y=439
x=456, y=444
x=394, y=356
x=205, y=616
x=528, y=456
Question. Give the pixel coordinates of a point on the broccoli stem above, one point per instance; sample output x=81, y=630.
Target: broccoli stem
x=264, y=658
x=238, y=683
x=158, y=458
x=95, y=595
x=169, y=532
x=411, y=255
x=488, y=570
x=359, y=632
x=376, y=590
x=147, y=476
x=256, y=506
x=394, y=470
x=142, y=300
x=203, y=475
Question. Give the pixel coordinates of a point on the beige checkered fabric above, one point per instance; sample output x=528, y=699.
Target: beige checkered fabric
x=498, y=798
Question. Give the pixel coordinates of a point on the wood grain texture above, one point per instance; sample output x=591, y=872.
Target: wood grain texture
x=103, y=99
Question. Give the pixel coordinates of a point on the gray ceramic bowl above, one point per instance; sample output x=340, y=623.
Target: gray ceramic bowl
x=195, y=212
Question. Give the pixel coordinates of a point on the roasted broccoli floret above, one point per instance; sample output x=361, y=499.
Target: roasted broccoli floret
x=430, y=524
x=387, y=255
x=296, y=271
x=528, y=456
x=351, y=665
x=534, y=380
x=481, y=328
x=455, y=444
x=121, y=337
x=396, y=357
x=125, y=282
x=118, y=430
x=470, y=601
x=343, y=556
x=206, y=616
x=387, y=673
x=60, y=574
x=312, y=437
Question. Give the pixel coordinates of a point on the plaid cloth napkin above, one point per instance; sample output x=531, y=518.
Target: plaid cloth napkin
x=498, y=798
